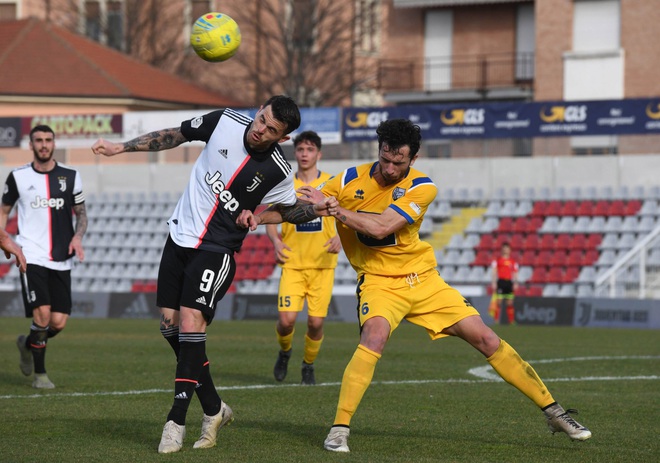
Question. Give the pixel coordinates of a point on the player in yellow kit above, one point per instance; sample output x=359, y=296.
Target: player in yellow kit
x=307, y=253
x=379, y=208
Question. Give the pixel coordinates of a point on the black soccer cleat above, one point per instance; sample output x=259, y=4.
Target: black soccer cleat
x=282, y=365
x=308, y=374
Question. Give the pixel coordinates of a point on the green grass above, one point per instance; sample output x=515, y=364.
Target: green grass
x=436, y=420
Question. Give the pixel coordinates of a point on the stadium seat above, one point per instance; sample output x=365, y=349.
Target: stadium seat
x=569, y=207
x=590, y=257
x=646, y=224
x=613, y=224
x=547, y=242
x=534, y=291
x=487, y=242
x=559, y=258
x=475, y=225
x=649, y=207
x=555, y=275
x=570, y=275
x=632, y=207
x=553, y=208
x=575, y=258
x=593, y=241
x=566, y=290
x=543, y=259
x=528, y=257
x=489, y=225
x=617, y=207
x=582, y=224
x=531, y=242
x=602, y=207
x=524, y=273
x=566, y=224
x=551, y=290
x=539, y=275
x=585, y=208
x=538, y=210
x=562, y=242
x=506, y=225
x=629, y=224
x=577, y=241
x=550, y=225
x=516, y=242
x=534, y=224
x=587, y=275
x=484, y=257
x=520, y=225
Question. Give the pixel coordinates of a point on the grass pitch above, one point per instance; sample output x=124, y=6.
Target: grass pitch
x=114, y=383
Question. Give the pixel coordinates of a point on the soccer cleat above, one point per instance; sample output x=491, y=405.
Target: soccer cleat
x=560, y=420
x=41, y=381
x=210, y=426
x=26, y=356
x=281, y=365
x=308, y=374
x=337, y=440
x=172, y=439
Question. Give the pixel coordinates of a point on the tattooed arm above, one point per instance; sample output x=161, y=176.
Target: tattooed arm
x=300, y=212
x=81, y=228
x=158, y=140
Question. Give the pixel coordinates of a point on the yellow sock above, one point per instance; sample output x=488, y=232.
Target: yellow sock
x=312, y=348
x=355, y=382
x=520, y=374
x=285, y=341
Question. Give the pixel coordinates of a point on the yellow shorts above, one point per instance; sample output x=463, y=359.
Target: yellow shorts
x=425, y=300
x=315, y=285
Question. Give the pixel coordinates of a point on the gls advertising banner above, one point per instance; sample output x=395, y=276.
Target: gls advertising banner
x=508, y=120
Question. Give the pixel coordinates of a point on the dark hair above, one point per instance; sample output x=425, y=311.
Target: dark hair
x=506, y=243
x=397, y=133
x=285, y=110
x=308, y=135
x=41, y=128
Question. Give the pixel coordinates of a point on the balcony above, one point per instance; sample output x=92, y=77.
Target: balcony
x=468, y=77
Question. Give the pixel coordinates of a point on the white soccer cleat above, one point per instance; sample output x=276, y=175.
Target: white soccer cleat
x=337, y=440
x=26, y=356
x=172, y=439
x=560, y=420
x=41, y=381
x=210, y=426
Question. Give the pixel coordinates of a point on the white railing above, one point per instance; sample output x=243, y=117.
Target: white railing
x=646, y=277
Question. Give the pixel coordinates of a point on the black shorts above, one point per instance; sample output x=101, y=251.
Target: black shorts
x=193, y=278
x=504, y=286
x=43, y=286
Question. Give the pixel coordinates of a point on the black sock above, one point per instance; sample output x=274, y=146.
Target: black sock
x=52, y=332
x=37, y=340
x=206, y=392
x=192, y=347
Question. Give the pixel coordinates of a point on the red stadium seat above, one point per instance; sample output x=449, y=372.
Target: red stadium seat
x=534, y=224
x=575, y=258
x=501, y=239
x=531, y=242
x=553, y=208
x=520, y=225
x=591, y=256
x=506, y=225
x=602, y=207
x=559, y=258
x=543, y=259
x=594, y=240
x=569, y=208
x=528, y=258
x=554, y=275
x=487, y=242
x=483, y=258
x=547, y=242
x=534, y=291
x=586, y=208
x=516, y=241
x=571, y=274
x=538, y=210
x=538, y=275
x=578, y=241
x=617, y=207
x=632, y=207
x=562, y=241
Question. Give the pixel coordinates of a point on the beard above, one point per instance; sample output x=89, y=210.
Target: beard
x=43, y=157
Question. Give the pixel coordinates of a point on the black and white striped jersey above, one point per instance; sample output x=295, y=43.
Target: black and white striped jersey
x=227, y=178
x=45, y=203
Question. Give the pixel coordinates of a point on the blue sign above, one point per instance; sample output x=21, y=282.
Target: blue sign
x=512, y=120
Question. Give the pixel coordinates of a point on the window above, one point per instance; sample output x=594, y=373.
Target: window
x=93, y=20
x=596, y=25
x=303, y=17
x=7, y=11
x=115, y=26
x=367, y=22
x=104, y=22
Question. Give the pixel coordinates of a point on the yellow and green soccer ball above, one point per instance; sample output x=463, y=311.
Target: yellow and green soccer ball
x=215, y=37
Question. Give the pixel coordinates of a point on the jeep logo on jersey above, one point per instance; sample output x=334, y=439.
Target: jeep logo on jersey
x=219, y=189
x=57, y=203
x=62, y=181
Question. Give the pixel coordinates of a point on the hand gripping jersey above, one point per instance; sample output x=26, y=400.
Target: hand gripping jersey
x=307, y=240
x=400, y=253
x=45, y=204
x=227, y=177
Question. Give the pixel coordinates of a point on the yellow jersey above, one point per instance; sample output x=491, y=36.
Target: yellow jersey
x=401, y=253
x=307, y=240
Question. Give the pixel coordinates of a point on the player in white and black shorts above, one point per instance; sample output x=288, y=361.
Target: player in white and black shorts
x=45, y=193
x=241, y=167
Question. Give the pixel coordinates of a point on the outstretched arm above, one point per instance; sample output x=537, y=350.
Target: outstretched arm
x=158, y=140
x=300, y=212
x=376, y=225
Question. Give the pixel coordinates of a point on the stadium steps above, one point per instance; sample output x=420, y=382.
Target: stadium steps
x=457, y=223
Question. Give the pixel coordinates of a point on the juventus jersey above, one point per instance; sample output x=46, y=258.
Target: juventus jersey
x=45, y=207
x=227, y=177
x=307, y=240
x=400, y=253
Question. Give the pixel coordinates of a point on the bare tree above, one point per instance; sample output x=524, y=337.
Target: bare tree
x=303, y=48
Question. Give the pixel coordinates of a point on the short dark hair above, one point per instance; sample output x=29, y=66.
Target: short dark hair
x=308, y=135
x=506, y=243
x=397, y=133
x=285, y=110
x=41, y=128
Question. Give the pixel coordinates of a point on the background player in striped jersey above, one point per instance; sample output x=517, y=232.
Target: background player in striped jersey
x=380, y=207
x=504, y=284
x=307, y=253
x=45, y=193
x=241, y=167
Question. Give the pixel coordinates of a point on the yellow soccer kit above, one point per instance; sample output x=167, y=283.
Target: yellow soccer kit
x=397, y=275
x=308, y=273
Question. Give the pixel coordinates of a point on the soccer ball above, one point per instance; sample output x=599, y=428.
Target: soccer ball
x=215, y=37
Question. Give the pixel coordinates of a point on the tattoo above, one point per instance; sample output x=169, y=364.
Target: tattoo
x=298, y=213
x=166, y=322
x=156, y=141
x=81, y=219
x=342, y=217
